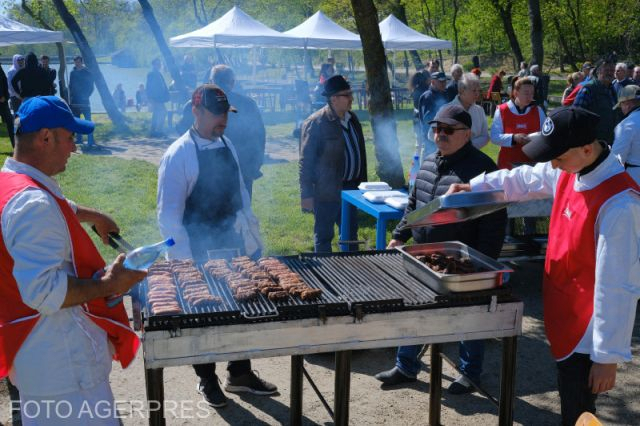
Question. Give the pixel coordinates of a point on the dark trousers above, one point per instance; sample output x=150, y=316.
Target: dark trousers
x=235, y=369
x=327, y=215
x=573, y=384
x=7, y=117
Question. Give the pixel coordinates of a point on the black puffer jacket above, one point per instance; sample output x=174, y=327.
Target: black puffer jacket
x=436, y=174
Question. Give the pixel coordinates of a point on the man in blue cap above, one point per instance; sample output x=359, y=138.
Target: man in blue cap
x=57, y=334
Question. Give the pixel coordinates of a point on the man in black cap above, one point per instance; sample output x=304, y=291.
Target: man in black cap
x=456, y=161
x=591, y=279
x=429, y=104
x=204, y=205
x=332, y=158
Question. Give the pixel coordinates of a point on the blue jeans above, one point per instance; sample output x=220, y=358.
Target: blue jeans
x=327, y=216
x=471, y=358
x=84, y=110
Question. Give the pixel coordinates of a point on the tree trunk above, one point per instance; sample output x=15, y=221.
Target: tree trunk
x=456, y=9
x=62, y=84
x=574, y=14
x=535, y=33
x=569, y=56
x=147, y=12
x=90, y=60
x=400, y=12
x=507, y=22
x=385, y=139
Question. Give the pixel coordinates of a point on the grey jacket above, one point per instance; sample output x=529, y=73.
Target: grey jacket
x=322, y=156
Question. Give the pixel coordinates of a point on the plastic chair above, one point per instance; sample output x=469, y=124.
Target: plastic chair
x=588, y=419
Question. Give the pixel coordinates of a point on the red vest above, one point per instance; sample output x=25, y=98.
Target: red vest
x=570, y=264
x=17, y=319
x=512, y=123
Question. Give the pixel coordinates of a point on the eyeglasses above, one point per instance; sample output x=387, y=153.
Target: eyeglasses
x=446, y=130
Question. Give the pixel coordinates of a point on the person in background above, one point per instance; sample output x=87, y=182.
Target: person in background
x=433, y=65
x=189, y=73
x=44, y=63
x=327, y=70
x=524, y=70
x=418, y=84
x=636, y=75
x=120, y=98
x=496, y=84
x=141, y=97
x=456, y=161
x=621, y=77
x=591, y=281
x=5, y=112
x=57, y=335
x=452, y=87
x=245, y=129
x=80, y=90
x=599, y=97
x=203, y=205
x=477, y=71
x=587, y=73
x=14, y=100
x=626, y=144
x=32, y=80
x=513, y=122
x=332, y=158
x=157, y=96
x=573, y=80
x=541, y=85
x=430, y=103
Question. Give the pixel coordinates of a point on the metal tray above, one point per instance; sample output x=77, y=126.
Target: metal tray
x=452, y=283
x=457, y=207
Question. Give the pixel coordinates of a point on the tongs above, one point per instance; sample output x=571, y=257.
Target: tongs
x=121, y=246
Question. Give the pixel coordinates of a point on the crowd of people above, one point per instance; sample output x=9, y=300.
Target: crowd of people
x=585, y=156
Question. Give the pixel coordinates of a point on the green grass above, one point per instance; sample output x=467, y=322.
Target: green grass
x=126, y=189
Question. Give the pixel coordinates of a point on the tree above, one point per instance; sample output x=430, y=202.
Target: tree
x=505, y=13
x=535, y=32
x=399, y=11
x=90, y=60
x=385, y=139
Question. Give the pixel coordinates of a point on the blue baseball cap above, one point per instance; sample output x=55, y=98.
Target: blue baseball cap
x=49, y=112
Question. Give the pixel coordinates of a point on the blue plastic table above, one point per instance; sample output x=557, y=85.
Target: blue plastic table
x=352, y=200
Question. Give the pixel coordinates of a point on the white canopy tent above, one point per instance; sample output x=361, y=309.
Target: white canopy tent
x=398, y=36
x=235, y=29
x=320, y=32
x=16, y=33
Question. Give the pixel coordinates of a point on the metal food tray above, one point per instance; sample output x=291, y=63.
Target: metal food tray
x=452, y=283
x=457, y=207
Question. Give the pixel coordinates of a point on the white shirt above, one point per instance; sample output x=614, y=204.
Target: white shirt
x=177, y=177
x=617, y=230
x=626, y=144
x=498, y=136
x=65, y=352
x=479, y=128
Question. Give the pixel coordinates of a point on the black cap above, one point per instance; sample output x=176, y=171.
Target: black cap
x=213, y=98
x=565, y=128
x=335, y=84
x=439, y=75
x=452, y=114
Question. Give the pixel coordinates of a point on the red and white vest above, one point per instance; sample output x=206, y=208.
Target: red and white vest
x=512, y=123
x=570, y=264
x=17, y=319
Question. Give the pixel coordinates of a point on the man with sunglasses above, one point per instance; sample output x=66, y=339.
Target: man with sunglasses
x=332, y=158
x=456, y=161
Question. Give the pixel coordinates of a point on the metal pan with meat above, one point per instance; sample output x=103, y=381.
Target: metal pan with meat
x=452, y=266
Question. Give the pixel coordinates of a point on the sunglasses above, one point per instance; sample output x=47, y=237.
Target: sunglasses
x=446, y=130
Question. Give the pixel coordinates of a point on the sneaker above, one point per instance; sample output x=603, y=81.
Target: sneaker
x=249, y=382
x=461, y=386
x=394, y=377
x=211, y=392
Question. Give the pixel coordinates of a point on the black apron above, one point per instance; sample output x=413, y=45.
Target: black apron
x=210, y=210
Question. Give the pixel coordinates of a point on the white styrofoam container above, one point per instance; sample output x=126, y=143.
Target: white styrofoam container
x=374, y=186
x=380, y=196
x=399, y=203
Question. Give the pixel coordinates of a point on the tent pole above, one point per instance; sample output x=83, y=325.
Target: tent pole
x=304, y=61
x=393, y=69
x=254, y=53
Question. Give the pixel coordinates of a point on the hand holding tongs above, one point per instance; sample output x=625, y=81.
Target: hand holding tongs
x=122, y=246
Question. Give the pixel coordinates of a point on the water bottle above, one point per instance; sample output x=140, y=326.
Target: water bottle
x=413, y=171
x=143, y=257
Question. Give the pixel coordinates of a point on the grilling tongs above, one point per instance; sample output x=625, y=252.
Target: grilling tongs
x=116, y=241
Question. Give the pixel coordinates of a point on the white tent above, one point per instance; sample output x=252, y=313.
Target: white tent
x=14, y=33
x=397, y=36
x=235, y=29
x=320, y=32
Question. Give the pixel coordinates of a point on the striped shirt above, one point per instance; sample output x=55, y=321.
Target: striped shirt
x=351, y=150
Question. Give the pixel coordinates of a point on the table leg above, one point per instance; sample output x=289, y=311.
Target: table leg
x=381, y=234
x=155, y=396
x=345, y=224
x=508, y=380
x=295, y=412
x=435, y=385
x=341, y=388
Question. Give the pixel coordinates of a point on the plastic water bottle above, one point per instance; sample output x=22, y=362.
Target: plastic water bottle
x=413, y=171
x=143, y=257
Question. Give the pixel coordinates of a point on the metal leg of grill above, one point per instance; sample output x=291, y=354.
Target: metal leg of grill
x=295, y=413
x=435, y=385
x=341, y=388
x=155, y=395
x=508, y=380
